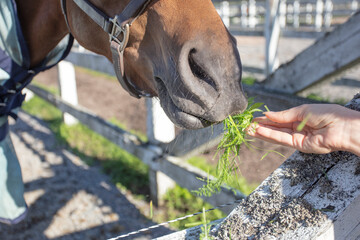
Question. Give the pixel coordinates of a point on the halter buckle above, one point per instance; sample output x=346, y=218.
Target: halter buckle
x=118, y=30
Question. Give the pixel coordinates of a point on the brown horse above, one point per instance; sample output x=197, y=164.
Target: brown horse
x=178, y=50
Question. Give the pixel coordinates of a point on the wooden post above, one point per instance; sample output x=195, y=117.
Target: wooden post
x=282, y=12
x=354, y=5
x=319, y=15
x=159, y=129
x=67, y=86
x=29, y=94
x=328, y=13
x=244, y=13
x=296, y=23
x=225, y=13
x=272, y=34
x=317, y=63
x=252, y=13
x=290, y=12
x=308, y=18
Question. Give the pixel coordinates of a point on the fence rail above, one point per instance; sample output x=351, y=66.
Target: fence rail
x=328, y=57
x=312, y=16
x=288, y=18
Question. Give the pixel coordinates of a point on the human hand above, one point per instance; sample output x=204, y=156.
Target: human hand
x=328, y=127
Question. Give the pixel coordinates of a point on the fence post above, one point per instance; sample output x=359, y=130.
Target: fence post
x=282, y=12
x=354, y=5
x=28, y=94
x=225, y=13
x=328, y=13
x=308, y=16
x=272, y=34
x=252, y=14
x=296, y=23
x=159, y=129
x=244, y=13
x=67, y=86
x=319, y=14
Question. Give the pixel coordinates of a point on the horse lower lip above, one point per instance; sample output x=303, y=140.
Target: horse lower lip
x=178, y=116
x=190, y=121
x=187, y=120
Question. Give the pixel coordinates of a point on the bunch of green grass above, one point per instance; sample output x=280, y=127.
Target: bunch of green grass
x=234, y=137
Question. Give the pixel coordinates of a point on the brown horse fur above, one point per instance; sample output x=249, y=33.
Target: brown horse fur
x=179, y=50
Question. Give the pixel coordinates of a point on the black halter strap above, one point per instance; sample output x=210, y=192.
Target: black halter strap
x=118, y=30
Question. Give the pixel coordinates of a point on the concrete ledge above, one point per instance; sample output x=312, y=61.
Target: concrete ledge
x=306, y=198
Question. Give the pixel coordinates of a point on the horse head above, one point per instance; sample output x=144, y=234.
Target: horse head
x=178, y=51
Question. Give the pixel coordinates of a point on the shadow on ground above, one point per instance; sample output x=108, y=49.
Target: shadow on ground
x=67, y=199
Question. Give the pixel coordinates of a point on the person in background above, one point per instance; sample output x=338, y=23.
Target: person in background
x=311, y=128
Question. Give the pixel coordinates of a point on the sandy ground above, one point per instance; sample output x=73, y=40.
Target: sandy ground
x=68, y=199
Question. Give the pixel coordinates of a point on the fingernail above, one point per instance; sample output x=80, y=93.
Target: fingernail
x=270, y=112
x=252, y=129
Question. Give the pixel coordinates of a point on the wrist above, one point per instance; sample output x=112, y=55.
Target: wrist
x=352, y=143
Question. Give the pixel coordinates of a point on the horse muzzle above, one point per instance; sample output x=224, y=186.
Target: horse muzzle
x=207, y=88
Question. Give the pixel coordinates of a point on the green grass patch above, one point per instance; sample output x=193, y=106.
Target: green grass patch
x=248, y=81
x=96, y=73
x=125, y=170
x=180, y=202
x=41, y=109
x=139, y=134
x=314, y=96
x=235, y=181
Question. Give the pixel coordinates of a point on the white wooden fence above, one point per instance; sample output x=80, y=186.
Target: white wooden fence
x=297, y=18
x=290, y=18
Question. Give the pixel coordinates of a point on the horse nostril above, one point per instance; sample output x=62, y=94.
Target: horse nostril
x=198, y=71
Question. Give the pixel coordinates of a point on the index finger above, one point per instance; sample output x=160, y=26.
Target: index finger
x=291, y=115
x=267, y=122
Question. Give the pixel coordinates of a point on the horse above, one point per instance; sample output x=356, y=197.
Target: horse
x=176, y=50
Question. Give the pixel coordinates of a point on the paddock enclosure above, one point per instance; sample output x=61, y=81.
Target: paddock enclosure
x=280, y=87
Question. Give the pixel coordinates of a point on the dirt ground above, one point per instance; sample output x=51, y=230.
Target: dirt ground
x=67, y=199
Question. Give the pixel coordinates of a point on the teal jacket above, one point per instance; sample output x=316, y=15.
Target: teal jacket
x=15, y=74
